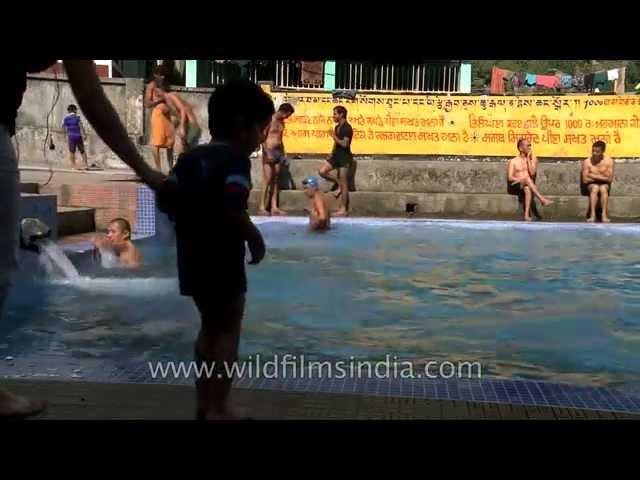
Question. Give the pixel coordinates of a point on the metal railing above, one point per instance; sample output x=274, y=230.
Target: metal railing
x=361, y=76
x=419, y=77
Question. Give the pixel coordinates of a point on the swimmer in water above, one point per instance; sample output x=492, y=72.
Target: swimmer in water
x=118, y=242
x=319, y=216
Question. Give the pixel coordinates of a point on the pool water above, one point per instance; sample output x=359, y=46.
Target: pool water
x=557, y=302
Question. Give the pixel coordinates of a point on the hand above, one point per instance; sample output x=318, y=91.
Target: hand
x=153, y=178
x=100, y=241
x=257, y=249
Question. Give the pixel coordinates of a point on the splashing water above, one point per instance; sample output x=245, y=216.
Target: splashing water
x=55, y=261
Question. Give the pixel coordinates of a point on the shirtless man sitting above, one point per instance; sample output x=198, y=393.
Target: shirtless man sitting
x=118, y=242
x=521, y=171
x=597, y=176
x=273, y=157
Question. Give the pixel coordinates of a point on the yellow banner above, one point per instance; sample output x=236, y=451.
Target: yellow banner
x=562, y=126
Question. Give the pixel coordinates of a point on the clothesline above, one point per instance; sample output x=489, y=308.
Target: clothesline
x=589, y=82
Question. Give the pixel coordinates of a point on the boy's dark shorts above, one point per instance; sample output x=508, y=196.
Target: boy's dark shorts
x=76, y=142
x=340, y=161
x=220, y=313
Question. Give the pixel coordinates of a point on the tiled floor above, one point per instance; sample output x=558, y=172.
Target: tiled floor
x=489, y=390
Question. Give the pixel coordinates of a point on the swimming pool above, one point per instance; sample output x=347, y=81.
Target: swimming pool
x=542, y=301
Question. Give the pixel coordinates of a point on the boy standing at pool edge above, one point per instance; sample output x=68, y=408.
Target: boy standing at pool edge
x=75, y=135
x=217, y=177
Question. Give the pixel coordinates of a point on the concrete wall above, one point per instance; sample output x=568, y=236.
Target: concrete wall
x=45, y=102
x=459, y=177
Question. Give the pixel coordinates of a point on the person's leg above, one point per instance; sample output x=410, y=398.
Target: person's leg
x=593, y=200
x=156, y=157
x=544, y=200
x=527, y=203
x=343, y=180
x=267, y=180
x=72, y=153
x=10, y=405
x=83, y=153
x=324, y=173
x=218, y=343
x=604, y=202
x=170, y=157
x=275, y=190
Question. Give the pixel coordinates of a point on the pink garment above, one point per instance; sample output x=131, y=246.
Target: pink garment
x=549, y=81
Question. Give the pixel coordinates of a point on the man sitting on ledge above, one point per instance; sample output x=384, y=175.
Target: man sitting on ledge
x=597, y=176
x=521, y=171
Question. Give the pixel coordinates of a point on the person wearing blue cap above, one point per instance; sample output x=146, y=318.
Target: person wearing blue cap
x=319, y=217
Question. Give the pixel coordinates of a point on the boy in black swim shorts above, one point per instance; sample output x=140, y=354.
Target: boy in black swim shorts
x=273, y=160
x=207, y=197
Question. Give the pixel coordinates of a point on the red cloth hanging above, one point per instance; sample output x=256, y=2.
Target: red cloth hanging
x=497, y=80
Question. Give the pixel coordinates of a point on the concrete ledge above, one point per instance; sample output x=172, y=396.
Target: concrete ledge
x=457, y=204
x=29, y=187
x=427, y=176
x=75, y=220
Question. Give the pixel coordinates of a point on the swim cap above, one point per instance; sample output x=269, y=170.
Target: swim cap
x=311, y=182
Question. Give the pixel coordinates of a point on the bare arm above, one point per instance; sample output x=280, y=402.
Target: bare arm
x=532, y=165
x=240, y=220
x=104, y=119
x=511, y=171
x=149, y=102
x=345, y=142
x=586, y=176
x=610, y=172
x=84, y=132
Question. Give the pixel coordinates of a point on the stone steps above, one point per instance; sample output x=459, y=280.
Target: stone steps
x=75, y=220
x=460, y=205
x=432, y=176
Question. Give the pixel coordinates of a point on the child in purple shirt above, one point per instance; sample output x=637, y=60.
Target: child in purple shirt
x=75, y=135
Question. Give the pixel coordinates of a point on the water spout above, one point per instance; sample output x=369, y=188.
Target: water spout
x=32, y=230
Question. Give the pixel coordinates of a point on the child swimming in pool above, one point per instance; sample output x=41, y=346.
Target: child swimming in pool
x=207, y=197
x=117, y=244
x=319, y=216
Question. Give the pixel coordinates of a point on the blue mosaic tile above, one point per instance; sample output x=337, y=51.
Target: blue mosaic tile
x=145, y=211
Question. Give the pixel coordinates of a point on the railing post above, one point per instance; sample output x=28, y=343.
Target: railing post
x=330, y=75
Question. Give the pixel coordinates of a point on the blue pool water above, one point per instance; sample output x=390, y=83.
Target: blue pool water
x=553, y=302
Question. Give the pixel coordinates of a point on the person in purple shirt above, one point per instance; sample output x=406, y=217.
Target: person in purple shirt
x=75, y=135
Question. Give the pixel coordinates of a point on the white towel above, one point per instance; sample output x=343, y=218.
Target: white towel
x=612, y=74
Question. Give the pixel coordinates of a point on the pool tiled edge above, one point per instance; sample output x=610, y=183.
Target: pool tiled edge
x=487, y=390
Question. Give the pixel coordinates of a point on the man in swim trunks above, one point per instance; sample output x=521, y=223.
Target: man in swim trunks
x=273, y=158
x=188, y=130
x=597, y=176
x=162, y=131
x=521, y=171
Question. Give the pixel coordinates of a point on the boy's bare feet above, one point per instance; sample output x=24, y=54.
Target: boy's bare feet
x=340, y=213
x=229, y=413
x=591, y=219
x=528, y=219
x=546, y=202
x=277, y=211
x=14, y=406
x=262, y=211
x=606, y=219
